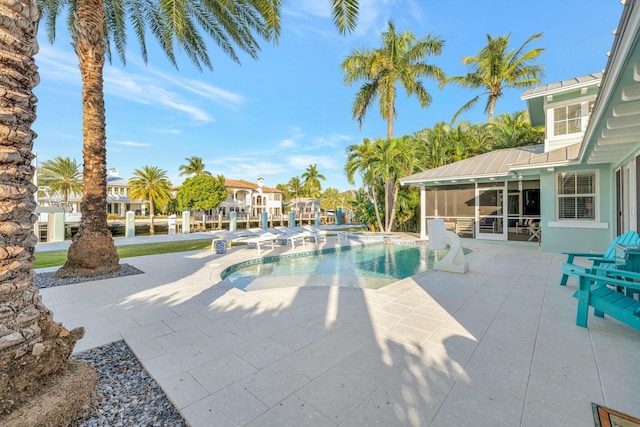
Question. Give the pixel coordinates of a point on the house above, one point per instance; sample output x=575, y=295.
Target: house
x=249, y=200
x=118, y=201
x=580, y=188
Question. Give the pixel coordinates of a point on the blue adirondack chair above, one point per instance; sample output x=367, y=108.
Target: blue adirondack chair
x=605, y=260
x=608, y=292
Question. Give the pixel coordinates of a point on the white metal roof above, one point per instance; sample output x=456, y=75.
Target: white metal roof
x=488, y=165
x=562, y=86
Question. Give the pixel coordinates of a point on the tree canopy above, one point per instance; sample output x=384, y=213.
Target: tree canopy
x=62, y=175
x=399, y=60
x=495, y=68
x=203, y=192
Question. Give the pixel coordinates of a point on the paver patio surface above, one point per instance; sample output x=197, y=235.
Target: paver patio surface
x=497, y=346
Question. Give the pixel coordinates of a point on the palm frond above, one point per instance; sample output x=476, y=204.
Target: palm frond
x=345, y=15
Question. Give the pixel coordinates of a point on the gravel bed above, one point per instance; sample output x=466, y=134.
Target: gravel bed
x=128, y=396
x=49, y=280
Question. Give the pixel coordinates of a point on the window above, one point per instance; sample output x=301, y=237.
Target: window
x=566, y=119
x=577, y=195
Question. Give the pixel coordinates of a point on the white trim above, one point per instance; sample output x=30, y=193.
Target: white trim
x=577, y=224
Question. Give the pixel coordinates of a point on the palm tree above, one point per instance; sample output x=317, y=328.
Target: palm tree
x=358, y=161
x=495, y=68
x=400, y=59
x=312, y=178
x=34, y=346
x=392, y=159
x=150, y=183
x=62, y=175
x=195, y=166
x=331, y=198
x=96, y=25
x=514, y=130
x=363, y=208
x=295, y=188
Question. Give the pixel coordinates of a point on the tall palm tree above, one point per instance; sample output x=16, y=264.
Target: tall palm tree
x=62, y=175
x=34, y=346
x=359, y=161
x=96, y=25
x=496, y=68
x=392, y=159
x=150, y=183
x=312, y=178
x=399, y=60
x=195, y=166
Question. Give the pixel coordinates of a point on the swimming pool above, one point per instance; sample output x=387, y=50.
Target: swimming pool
x=369, y=266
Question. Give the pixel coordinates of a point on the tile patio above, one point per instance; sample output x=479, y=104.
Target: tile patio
x=497, y=346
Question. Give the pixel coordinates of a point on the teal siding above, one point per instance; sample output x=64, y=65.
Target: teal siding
x=558, y=239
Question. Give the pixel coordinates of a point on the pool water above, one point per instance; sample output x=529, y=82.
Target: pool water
x=369, y=266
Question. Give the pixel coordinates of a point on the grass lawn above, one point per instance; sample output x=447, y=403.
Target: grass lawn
x=58, y=258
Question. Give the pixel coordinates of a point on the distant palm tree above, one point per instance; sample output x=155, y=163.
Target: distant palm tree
x=150, y=183
x=400, y=59
x=495, y=68
x=195, y=166
x=330, y=198
x=62, y=175
x=312, y=178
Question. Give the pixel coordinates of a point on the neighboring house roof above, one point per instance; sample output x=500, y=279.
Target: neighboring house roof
x=242, y=184
x=115, y=180
x=488, y=165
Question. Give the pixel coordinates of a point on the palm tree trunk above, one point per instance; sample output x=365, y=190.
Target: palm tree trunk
x=152, y=228
x=492, y=106
x=390, y=114
x=394, y=198
x=387, y=205
x=375, y=207
x=32, y=346
x=92, y=250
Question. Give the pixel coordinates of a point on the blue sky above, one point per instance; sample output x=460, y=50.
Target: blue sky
x=274, y=116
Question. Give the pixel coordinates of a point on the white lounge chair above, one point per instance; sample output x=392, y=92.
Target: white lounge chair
x=261, y=238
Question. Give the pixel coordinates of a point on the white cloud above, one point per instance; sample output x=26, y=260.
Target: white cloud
x=169, y=131
x=143, y=90
x=145, y=85
x=132, y=143
x=287, y=143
